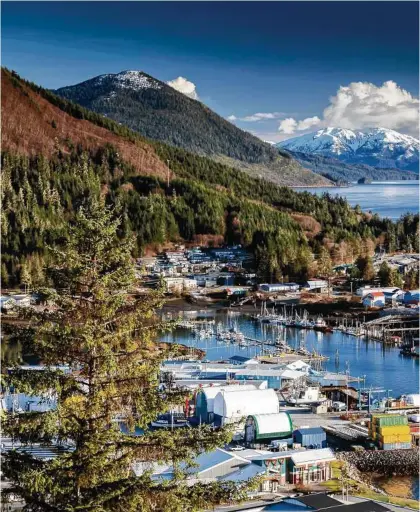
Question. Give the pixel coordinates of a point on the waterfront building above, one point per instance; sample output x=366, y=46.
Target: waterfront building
x=278, y=287
x=243, y=360
x=204, y=399
x=179, y=284
x=276, y=376
x=316, y=286
x=310, y=437
x=267, y=427
x=232, y=406
x=374, y=299
x=411, y=297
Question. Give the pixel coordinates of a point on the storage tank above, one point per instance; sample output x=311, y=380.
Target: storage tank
x=231, y=406
x=310, y=437
x=267, y=427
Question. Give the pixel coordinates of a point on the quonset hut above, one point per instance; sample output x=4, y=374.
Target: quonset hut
x=267, y=427
x=204, y=399
x=235, y=405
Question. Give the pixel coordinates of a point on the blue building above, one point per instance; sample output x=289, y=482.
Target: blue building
x=411, y=297
x=311, y=437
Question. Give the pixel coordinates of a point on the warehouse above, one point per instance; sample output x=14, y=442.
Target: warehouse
x=266, y=427
x=278, y=287
x=231, y=406
x=310, y=437
x=204, y=399
x=316, y=286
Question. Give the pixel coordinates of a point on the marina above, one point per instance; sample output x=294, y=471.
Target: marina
x=376, y=365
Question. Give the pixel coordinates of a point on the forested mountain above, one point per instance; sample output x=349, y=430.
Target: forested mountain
x=159, y=112
x=56, y=153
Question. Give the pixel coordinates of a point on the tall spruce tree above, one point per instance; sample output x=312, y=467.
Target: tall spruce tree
x=106, y=338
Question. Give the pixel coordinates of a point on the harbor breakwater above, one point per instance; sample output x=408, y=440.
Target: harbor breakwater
x=387, y=463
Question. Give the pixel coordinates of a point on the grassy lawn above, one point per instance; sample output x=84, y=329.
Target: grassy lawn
x=334, y=485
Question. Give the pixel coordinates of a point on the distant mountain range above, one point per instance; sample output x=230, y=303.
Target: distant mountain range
x=378, y=148
x=159, y=112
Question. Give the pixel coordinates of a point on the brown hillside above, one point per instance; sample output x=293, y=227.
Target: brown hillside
x=31, y=125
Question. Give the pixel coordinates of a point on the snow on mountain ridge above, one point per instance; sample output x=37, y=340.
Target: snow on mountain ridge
x=380, y=147
x=130, y=80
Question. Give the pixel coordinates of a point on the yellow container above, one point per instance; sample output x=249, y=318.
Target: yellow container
x=395, y=430
x=405, y=438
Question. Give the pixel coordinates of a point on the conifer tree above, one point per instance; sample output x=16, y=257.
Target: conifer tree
x=106, y=338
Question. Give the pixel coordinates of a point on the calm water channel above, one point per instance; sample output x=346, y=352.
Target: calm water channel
x=383, y=366
x=388, y=198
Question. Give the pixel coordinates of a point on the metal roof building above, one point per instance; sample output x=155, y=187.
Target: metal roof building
x=232, y=406
x=204, y=399
x=260, y=427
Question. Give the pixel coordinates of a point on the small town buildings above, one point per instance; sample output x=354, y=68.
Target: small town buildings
x=310, y=437
x=179, y=284
x=316, y=286
x=278, y=287
x=232, y=406
x=374, y=299
x=267, y=427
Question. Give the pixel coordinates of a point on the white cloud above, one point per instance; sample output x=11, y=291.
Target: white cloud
x=362, y=105
x=258, y=116
x=308, y=123
x=183, y=85
x=288, y=125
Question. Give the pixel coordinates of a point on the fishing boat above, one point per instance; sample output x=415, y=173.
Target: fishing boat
x=321, y=325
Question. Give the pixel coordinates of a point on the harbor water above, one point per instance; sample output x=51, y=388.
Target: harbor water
x=387, y=198
x=382, y=365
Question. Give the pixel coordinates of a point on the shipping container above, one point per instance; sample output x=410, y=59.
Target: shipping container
x=394, y=430
x=404, y=438
x=389, y=420
x=395, y=446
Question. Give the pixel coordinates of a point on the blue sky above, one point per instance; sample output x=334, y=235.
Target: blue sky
x=281, y=59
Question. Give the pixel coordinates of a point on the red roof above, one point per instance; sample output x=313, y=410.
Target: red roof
x=376, y=294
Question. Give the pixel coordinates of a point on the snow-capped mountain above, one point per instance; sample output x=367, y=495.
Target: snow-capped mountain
x=377, y=147
x=135, y=80
x=160, y=112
